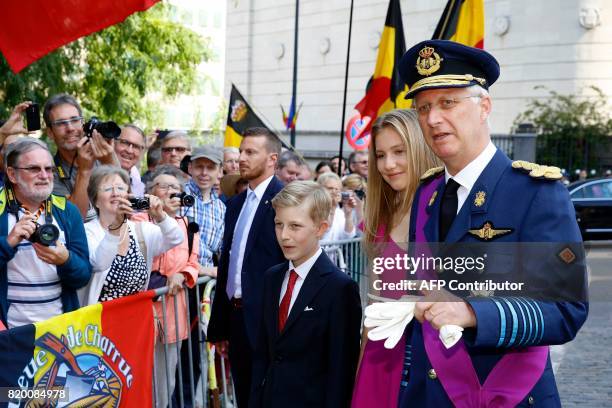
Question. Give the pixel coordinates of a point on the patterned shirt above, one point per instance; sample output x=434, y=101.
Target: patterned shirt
x=210, y=216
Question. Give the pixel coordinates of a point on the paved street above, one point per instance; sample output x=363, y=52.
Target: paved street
x=584, y=366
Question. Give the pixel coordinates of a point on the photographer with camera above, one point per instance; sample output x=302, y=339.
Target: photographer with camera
x=121, y=251
x=356, y=186
x=342, y=225
x=13, y=127
x=172, y=268
x=43, y=250
x=80, y=147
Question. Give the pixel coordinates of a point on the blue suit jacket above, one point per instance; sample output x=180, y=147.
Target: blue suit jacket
x=312, y=362
x=536, y=211
x=262, y=251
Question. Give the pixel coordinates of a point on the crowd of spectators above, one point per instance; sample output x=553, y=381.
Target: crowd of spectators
x=119, y=229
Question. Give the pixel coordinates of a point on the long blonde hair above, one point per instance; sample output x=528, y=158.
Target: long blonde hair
x=385, y=206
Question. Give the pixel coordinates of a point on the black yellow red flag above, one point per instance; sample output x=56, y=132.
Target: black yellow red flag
x=462, y=21
x=239, y=118
x=385, y=90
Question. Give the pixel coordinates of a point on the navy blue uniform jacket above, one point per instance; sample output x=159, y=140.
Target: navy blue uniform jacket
x=536, y=211
x=312, y=362
x=261, y=252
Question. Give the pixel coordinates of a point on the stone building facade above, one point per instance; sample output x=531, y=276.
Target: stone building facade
x=565, y=45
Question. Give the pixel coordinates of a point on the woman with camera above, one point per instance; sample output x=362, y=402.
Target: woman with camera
x=341, y=218
x=172, y=268
x=356, y=187
x=121, y=251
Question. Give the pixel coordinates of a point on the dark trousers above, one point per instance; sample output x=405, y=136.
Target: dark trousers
x=241, y=357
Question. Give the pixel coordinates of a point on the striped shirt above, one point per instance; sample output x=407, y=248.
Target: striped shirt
x=210, y=216
x=34, y=287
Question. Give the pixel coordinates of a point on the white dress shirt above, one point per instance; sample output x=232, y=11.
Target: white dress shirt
x=259, y=192
x=467, y=177
x=302, y=272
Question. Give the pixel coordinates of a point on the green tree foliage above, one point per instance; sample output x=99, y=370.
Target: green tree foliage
x=572, y=129
x=112, y=71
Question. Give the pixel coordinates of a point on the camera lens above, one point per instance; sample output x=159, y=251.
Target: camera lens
x=188, y=200
x=46, y=234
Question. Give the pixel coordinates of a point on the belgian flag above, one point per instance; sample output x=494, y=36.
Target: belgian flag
x=240, y=117
x=462, y=21
x=386, y=90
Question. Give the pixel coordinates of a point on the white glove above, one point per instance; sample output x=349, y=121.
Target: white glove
x=389, y=320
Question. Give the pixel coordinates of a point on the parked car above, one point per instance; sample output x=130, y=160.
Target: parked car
x=592, y=199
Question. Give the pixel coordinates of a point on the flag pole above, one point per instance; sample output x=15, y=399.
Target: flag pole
x=348, y=57
x=295, y=62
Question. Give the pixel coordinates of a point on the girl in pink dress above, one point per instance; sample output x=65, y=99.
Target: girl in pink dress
x=398, y=157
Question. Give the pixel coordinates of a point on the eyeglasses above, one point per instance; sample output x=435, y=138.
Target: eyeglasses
x=36, y=170
x=74, y=121
x=127, y=144
x=442, y=104
x=166, y=186
x=118, y=189
x=169, y=149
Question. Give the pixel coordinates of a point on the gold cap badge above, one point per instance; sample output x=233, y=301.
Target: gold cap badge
x=428, y=61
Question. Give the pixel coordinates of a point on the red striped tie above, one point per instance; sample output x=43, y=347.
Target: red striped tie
x=283, y=310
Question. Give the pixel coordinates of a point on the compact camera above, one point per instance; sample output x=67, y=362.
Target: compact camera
x=187, y=200
x=140, y=203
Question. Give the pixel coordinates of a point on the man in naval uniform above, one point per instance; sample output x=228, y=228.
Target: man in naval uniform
x=480, y=195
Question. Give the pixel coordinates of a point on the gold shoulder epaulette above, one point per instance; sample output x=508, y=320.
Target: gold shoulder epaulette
x=538, y=171
x=431, y=173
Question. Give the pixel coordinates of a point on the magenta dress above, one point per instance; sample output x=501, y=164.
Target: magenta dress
x=378, y=378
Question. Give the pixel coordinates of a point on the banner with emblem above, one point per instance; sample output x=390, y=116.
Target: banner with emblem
x=100, y=355
x=462, y=21
x=239, y=118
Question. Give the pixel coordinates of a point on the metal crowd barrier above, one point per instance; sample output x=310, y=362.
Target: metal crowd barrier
x=201, y=387
x=348, y=255
x=197, y=384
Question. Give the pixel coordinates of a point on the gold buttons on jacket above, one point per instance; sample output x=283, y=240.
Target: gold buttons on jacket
x=432, y=374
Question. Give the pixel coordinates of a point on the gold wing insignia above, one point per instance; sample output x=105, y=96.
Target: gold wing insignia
x=487, y=232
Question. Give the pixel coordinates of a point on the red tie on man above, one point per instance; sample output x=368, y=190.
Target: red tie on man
x=283, y=310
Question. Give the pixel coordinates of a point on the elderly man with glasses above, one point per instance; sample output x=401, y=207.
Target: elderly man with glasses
x=129, y=147
x=43, y=248
x=76, y=154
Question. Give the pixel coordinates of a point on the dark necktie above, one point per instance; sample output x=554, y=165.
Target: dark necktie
x=448, y=208
x=283, y=310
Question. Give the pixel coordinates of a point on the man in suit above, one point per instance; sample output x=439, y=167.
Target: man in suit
x=309, y=346
x=481, y=196
x=249, y=248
